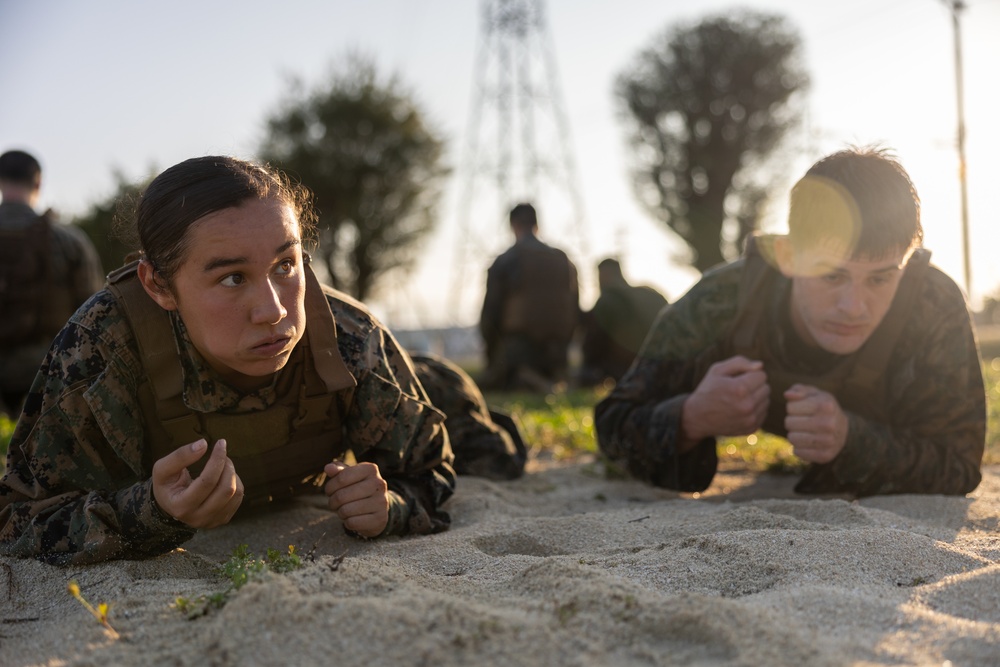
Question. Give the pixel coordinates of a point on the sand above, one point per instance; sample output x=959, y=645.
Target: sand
x=561, y=567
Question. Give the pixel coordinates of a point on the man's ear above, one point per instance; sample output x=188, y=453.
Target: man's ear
x=156, y=290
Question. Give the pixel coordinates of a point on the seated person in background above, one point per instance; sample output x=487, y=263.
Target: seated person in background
x=213, y=374
x=47, y=270
x=530, y=310
x=614, y=329
x=839, y=337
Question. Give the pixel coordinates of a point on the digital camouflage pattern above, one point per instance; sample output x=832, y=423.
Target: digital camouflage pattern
x=77, y=487
x=486, y=443
x=932, y=441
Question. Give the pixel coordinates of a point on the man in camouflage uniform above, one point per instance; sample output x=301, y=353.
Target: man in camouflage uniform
x=530, y=310
x=615, y=327
x=46, y=271
x=839, y=337
x=78, y=483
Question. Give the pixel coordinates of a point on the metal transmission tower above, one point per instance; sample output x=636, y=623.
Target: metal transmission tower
x=517, y=143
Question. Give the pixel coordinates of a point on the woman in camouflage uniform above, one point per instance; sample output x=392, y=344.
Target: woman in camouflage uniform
x=191, y=387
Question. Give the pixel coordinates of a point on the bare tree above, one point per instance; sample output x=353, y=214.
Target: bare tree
x=706, y=105
x=363, y=147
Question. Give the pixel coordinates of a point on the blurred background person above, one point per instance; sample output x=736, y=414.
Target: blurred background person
x=46, y=271
x=530, y=310
x=614, y=329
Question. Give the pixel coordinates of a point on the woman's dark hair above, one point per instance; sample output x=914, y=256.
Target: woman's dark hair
x=190, y=190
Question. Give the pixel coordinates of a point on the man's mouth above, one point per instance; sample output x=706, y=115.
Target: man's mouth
x=845, y=329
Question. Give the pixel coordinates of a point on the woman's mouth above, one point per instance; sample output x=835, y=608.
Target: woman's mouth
x=272, y=346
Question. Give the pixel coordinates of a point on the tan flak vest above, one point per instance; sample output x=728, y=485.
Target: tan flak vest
x=858, y=381
x=277, y=451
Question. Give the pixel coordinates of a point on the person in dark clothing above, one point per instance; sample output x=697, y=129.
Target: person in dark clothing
x=47, y=270
x=614, y=329
x=530, y=310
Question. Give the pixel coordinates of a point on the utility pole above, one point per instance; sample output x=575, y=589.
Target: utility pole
x=517, y=140
x=957, y=6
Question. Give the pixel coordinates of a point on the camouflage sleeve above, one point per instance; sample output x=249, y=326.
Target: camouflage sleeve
x=73, y=493
x=391, y=423
x=639, y=422
x=935, y=439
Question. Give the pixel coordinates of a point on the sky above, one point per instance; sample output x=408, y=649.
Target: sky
x=111, y=86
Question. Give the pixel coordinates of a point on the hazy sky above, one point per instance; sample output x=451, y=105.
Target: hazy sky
x=93, y=87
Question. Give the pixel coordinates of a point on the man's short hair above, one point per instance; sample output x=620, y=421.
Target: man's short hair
x=861, y=195
x=21, y=168
x=523, y=215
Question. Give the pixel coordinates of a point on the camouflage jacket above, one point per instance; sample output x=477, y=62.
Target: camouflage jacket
x=78, y=487
x=932, y=441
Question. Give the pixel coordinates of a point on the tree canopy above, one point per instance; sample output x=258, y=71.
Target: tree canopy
x=105, y=221
x=706, y=105
x=364, y=148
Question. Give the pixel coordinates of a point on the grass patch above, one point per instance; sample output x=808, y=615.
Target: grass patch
x=6, y=431
x=991, y=376
x=559, y=426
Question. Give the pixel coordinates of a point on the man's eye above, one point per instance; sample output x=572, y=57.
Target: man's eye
x=232, y=280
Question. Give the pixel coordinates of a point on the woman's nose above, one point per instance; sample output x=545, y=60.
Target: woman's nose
x=268, y=308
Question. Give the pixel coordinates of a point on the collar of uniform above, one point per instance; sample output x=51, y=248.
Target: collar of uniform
x=17, y=214
x=204, y=388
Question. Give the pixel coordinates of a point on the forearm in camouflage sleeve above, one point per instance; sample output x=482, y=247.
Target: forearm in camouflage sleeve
x=879, y=460
x=634, y=428
x=75, y=529
x=391, y=423
x=936, y=435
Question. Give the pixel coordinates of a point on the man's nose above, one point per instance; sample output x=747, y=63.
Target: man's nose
x=852, y=301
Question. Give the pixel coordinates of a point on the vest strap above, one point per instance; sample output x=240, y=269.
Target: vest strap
x=321, y=332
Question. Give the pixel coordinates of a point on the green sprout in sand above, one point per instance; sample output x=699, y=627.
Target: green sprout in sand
x=100, y=613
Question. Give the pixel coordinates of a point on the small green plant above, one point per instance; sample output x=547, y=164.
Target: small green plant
x=100, y=612
x=241, y=568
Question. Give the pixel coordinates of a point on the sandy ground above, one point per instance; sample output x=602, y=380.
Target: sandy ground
x=561, y=567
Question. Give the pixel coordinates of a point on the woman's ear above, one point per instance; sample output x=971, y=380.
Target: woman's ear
x=151, y=283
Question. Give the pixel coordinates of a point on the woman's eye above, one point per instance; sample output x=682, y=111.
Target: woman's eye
x=286, y=266
x=232, y=280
